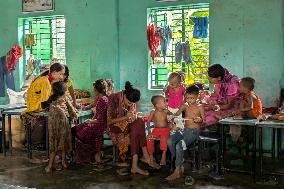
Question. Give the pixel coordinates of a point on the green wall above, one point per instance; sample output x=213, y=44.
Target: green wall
x=241, y=39
x=108, y=39
x=91, y=37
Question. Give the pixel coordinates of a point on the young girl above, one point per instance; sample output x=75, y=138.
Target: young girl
x=60, y=139
x=174, y=92
x=89, y=135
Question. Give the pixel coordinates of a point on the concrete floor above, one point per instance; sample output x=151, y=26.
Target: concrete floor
x=16, y=170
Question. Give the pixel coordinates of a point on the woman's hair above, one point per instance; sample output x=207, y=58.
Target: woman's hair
x=101, y=86
x=59, y=89
x=175, y=75
x=216, y=70
x=56, y=67
x=132, y=94
x=109, y=82
x=66, y=73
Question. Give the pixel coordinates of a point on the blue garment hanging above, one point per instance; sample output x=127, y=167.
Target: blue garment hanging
x=200, y=27
x=165, y=35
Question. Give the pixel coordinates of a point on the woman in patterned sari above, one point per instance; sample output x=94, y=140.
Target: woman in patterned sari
x=125, y=127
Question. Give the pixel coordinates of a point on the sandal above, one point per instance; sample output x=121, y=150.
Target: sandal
x=122, y=172
x=189, y=181
x=59, y=168
x=272, y=181
x=47, y=169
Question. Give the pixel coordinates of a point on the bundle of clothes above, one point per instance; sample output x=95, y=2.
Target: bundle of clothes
x=158, y=35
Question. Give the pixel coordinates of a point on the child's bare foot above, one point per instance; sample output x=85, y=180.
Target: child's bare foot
x=47, y=169
x=135, y=170
x=144, y=160
x=176, y=174
x=154, y=164
x=163, y=162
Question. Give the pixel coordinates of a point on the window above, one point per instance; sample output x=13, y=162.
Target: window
x=180, y=21
x=44, y=38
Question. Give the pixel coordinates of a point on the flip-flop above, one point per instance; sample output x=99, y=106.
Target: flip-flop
x=189, y=181
x=272, y=181
x=122, y=172
x=101, y=168
x=59, y=168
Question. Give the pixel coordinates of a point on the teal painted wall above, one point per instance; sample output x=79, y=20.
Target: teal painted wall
x=91, y=38
x=241, y=39
x=108, y=39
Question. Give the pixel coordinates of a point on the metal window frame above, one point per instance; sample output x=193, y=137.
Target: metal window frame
x=38, y=51
x=155, y=83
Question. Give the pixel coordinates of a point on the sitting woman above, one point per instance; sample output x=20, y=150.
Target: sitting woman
x=125, y=127
x=89, y=135
x=38, y=92
x=226, y=96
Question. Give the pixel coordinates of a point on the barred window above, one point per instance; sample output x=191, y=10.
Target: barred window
x=180, y=21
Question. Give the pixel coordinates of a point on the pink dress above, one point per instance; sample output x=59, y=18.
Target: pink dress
x=175, y=98
x=229, y=89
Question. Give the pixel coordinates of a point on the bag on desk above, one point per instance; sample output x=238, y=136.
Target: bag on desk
x=16, y=97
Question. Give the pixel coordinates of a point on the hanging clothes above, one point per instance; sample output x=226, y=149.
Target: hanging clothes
x=13, y=55
x=37, y=66
x=200, y=27
x=182, y=50
x=30, y=67
x=153, y=39
x=6, y=76
x=165, y=35
x=30, y=40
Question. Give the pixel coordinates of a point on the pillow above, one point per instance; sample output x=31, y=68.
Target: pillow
x=16, y=97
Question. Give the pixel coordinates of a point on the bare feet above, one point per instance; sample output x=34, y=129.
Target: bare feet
x=163, y=162
x=154, y=165
x=175, y=175
x=135, y=170
x=144, y=160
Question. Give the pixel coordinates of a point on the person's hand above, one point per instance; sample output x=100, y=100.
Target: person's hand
x=208, y=106
x=77, y=106
x=131, y=116
x=74, y=115
x=149, y=136
x=197, y=120
x=90, y=121
x=174, y=127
